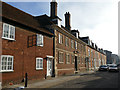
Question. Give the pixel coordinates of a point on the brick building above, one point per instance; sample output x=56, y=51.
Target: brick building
x=69, y=50
x=26, y=46
x=109, y=56
x=94, y=55
x=40, y=46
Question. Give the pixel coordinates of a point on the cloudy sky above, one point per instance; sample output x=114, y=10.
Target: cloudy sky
x=96, y=19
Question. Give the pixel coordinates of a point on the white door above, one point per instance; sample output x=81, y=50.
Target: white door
x=49, y=67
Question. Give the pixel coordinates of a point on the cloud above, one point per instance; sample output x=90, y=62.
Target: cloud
x=97, y=20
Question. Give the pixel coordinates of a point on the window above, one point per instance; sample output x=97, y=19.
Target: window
x=39, y=63
x=72, y=44
x=72, y=59
x=60, y=38
x=60, y=57
x=8, y=31
x=6, y=63
x=75, y=45
x=67, y=59
x=89, y=52
x=66, y=42
x=39, y=40
x=32, y=40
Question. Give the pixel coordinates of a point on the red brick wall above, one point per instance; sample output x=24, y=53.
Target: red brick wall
x=68, y=68
x=24, y=57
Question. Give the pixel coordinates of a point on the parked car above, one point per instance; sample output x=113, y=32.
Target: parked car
x=103, y=68
x=113, y=68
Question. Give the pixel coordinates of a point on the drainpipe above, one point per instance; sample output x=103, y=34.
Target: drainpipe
x=53, y=74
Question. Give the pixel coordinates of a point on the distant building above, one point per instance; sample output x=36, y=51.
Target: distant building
x=109, y=56
x=95, y=55
x=115, y=58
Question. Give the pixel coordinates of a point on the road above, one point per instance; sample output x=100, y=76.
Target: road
x=102, y=79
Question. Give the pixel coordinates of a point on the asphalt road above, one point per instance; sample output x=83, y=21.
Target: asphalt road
x=97, y=80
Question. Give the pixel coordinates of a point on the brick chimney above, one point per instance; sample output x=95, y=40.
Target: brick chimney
x=53, y=8
x=67, y=21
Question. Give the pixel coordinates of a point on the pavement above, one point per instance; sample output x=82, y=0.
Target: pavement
x=50, y=82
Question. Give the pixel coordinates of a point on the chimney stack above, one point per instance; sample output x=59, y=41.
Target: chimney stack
x=67, y=21
x=53, y=9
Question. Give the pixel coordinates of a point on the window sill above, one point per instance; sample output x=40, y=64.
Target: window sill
x=60, y=43
x=40, y=45
x=61, y=62
x=67, y=63
x=39, y=69
x=8, y=39
x=7, y=71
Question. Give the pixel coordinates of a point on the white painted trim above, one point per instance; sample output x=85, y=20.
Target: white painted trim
x=36, y=63
x=8, y=32
x=8, y=38
x=7, y=71
x=7, y=60
x=48, y=72
x=42, y=40
x=50, y=56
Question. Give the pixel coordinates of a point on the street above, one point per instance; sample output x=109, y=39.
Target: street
x=101, y=79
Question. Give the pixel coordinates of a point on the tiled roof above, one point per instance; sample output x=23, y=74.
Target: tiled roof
x=19, y=16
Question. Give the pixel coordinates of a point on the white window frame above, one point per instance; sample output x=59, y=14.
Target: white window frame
x=89, y=52
x=72, y=44
x=7, y=63
x=10, y=26
x=40, y=43
x=39, y=68
x=60, y=39
x=67, y=58
x=75, y=44
x=66, y=41
x=60, y=57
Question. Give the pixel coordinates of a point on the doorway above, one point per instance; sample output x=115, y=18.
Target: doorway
x=49, y=66
x=75, y=63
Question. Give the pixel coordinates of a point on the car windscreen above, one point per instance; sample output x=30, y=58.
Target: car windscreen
x=113, y=66
x=103, y=66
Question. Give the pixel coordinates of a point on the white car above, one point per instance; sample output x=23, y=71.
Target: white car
x=113, y=68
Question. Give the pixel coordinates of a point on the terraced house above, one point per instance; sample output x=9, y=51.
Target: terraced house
x=26, y=46
x=94, y=55
x=41, y=47
x=69, y=50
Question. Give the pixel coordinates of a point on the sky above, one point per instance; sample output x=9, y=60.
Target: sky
x=98, y=20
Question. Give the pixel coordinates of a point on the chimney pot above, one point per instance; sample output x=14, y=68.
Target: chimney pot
x=53, y=8
x=67, y=21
